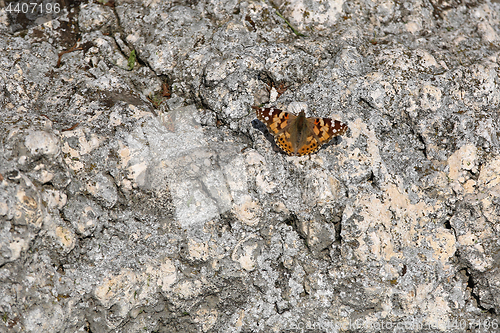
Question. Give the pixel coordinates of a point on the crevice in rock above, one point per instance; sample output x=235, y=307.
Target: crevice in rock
x=471, y=283
x=227, y=218
x=338, y=230
x=421, y=139
x=447, y=225
x=368, y=102
x=373, y=180
x=416, y=133
x=293, y=221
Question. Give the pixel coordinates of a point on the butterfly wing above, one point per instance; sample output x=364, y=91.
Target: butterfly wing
x=310, y=146
x=326, y=129
x=284, y=142
x=276, y=120
x=320, y=131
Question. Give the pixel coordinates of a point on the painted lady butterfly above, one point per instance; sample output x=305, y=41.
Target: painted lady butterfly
x=299, y=135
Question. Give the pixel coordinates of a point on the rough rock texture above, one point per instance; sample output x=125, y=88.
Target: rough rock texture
x=140, y=195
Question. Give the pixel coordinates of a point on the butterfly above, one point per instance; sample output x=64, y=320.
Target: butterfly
x=299, y=135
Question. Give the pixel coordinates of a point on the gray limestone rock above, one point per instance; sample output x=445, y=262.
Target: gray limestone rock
x=140, y=193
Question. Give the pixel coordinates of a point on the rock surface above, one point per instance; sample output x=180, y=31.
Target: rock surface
x=141, y=195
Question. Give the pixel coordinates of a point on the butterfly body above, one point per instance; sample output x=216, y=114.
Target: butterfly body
x=299, y=135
